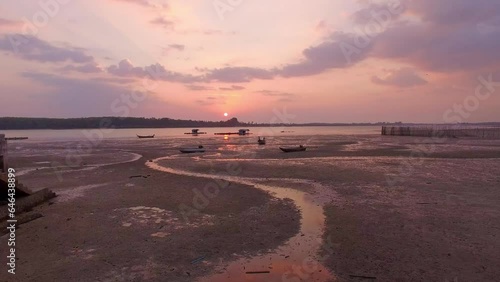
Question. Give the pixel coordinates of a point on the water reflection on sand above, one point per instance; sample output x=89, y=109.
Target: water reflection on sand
x=297, y=258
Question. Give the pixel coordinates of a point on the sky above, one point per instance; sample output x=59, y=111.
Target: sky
x=317, y=61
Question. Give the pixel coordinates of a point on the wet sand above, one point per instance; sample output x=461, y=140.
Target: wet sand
x=351, y=208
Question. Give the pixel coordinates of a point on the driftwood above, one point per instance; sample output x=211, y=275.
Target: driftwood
x=139, y=176
x=257, y=272
x=362, y=276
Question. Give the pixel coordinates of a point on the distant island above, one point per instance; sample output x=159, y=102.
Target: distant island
x=13, y=123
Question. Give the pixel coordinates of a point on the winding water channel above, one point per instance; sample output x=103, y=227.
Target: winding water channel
x=297, y=259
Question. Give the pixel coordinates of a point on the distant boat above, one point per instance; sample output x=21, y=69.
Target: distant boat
x=293, y=149
x=240, y=132
x=262, y=141
x=146, y=136
x=200, y=149
x=16, y=138
x=195, y=132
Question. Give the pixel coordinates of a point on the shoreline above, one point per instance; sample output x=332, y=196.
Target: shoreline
x=369, y=226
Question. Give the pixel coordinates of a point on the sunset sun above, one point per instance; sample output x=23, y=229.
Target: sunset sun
x=225, y=114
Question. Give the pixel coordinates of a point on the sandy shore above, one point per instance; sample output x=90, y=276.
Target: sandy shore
x=390, y=208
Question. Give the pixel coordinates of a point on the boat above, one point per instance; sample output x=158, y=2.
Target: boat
x=293, y=149
x=146, y=136
x=262, y=141
x=240, y=132
x=195, y=132
x=200, y=149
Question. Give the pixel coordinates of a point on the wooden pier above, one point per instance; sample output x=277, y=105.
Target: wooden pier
x=443, y=131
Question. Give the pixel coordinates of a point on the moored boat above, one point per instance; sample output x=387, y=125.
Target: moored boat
x=243, y=131
x=240, y=132
x=262, y=141
x=195, y=132
x=293, y=149
x=146, y=136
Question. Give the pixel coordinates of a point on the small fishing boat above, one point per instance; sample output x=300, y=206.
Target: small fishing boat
x=293, y=149
x=200, y=149
x=195, y=132
x=262, y=141
x=240, y=132
x=146, y=136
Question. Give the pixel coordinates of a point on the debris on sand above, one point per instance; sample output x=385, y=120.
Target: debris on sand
x=258, y=272
x=159, y=218
x=363, y=277
x=139, y=176
x=198, y=260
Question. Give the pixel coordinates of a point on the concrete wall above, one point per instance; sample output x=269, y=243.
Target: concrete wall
x=29, y=202
x=3, y=154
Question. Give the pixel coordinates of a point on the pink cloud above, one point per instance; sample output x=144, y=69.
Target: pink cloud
x=162, y=22
x=404, y=77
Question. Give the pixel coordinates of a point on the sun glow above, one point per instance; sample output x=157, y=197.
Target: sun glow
x=225, y=114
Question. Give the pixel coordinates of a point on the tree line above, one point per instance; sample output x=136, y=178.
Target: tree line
x=10, y=123
x=7, y=123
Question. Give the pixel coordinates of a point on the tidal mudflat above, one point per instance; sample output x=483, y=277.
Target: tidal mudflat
x=350, y=208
